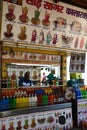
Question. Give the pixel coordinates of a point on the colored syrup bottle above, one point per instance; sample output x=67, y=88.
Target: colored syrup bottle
x=11, y=102
x=23, y=101
x=45, y=99
x=17, y=102
x=1, y=106
x=49, y=99
x=3, y=103
x=78, y=94
x=14, y=102
x=39, y=100
x=86, y=94
x=26, y=101
x=30, y=100
x=7, y=103
x=35, y=100
x=55, y=98
x=52, y=99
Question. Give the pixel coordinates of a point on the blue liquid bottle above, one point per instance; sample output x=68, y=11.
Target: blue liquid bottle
x=78, y=93
x=5, y=103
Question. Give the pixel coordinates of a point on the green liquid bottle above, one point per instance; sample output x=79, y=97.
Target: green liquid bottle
x=14, y=102
x=45, y=99
x=11, y=102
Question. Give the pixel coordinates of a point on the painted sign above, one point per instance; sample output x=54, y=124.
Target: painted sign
x=45, y=23
x=77, y=63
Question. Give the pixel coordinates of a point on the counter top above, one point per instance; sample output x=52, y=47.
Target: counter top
x=34, y=109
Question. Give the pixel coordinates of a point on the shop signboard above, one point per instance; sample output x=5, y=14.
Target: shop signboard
x=77, y=63
x=44, y=23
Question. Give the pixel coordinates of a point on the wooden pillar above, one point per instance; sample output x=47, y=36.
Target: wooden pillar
x=64, y=69
x=0, y=70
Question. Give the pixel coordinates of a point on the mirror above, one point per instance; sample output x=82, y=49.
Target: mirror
x=40, y=75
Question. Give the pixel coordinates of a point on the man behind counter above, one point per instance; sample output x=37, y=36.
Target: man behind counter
x=25, y=81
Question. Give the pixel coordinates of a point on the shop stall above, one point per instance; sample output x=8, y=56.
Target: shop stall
x=33, y=39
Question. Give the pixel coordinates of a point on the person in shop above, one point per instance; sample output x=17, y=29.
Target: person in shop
x=44, y=82
x=25, y=81
x=70, y=82
x=20, y=78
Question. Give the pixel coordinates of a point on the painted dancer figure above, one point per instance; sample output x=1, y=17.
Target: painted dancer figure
x=34, y=35
x=41, y=37
x=48, y=38
x=55, y=36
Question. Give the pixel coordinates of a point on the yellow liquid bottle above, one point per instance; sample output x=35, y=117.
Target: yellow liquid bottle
x=17, y=102
x=26, y=101
x=23, y=102
x=20, y=102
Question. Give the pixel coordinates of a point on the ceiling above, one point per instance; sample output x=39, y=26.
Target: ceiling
x=77, y=3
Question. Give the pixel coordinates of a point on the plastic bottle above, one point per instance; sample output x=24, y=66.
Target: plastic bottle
x=23, y=101
x=3, y=103
x=17, y=102
x=55, y=98
x=78, y=93
x=35, y=100
x=26, y=101
x=39, y=100
x=50, y=99
x=10, y=102
x=7, y=103
x=1, y=106
x=45, y=99
x=84, y=93
x=30, y=100
x=14, y=102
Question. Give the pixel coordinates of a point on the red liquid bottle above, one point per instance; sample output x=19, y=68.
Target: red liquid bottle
x=39, y=100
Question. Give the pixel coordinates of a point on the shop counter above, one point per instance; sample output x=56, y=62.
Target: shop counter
x=58, y=116
x=34, y=109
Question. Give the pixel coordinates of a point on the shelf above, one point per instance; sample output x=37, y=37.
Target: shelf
x=34, y=109
x=35, y=87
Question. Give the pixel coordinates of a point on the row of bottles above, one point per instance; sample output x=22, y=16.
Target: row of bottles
x=31, y=100
x=23, y=91
x=81, y=92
